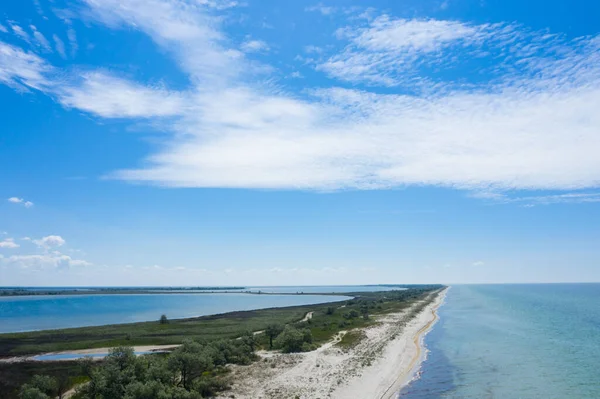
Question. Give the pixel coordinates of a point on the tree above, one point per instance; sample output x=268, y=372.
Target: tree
x=28, y=392
x=293, y=340
x=183, y=374
x=330, y=310
x=249, y=339
x=40, y=387
x=272, y=331
x=163, y=319
x=190, y=360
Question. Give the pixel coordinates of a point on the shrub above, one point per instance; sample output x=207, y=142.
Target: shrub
x=293, y=340
x=163, y=319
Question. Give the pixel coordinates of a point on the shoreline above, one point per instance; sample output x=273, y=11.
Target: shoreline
x=394, y=361
x=379, y=366
x=340, y=297
x=411, y=374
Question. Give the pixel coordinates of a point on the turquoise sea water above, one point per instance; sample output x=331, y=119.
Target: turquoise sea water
x=40, y=312
x=514, y=341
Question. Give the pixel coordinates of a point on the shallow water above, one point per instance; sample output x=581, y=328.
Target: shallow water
x=27, y=313
x=513, y=341
x=75, y=356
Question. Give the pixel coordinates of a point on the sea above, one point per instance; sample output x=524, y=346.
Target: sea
x=513, y=341
x=42, y=312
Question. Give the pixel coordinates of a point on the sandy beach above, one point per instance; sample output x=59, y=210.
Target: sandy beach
x=378, y=367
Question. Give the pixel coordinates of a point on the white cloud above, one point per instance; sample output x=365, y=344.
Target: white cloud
x=3, y=29
x=533, y=200
x=478, y=263
x=112, y=97
x=60, y=46
x=325, y=10
x=231, y=130
x=313, y=49
x=22, y=70
x=38, y=7
x=9, y=243
x=254, y=46
x=40, y=39
x=17, y=200
x=17, y=30
x=96, y=92
x=184, y=29
x=386, y=49
x=50, y=242
x=72, y=36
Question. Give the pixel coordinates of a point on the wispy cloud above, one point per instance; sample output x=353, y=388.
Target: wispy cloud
x=17, y=200
x=37, y=262
x=60, y=46
x=72, y=36
x=19, y=32
x=533, y=200
x=325, y=10
x=386, y=50
x=40, y=39
x=111, y=97
x=254, y=46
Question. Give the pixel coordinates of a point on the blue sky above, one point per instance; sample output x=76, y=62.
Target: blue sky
x=201, y=142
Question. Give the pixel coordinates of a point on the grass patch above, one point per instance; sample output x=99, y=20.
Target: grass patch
x=351, y=339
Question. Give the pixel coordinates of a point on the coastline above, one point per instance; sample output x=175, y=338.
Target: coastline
x=419, y=341
x=401, y=361
x=379, y=366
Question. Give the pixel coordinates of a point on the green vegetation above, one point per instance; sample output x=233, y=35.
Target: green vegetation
x=192, y=371
x=293, y=339
x=272, y=331
x=13, y=376
x=228, y=325
x=210, y=338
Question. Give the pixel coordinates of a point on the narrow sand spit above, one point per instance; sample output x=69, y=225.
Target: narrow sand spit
x=378, y=367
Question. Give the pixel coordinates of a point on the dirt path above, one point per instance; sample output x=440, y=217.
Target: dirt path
x=307, y=317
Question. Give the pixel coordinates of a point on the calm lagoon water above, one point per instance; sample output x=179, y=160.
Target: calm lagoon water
x=40, y=312
x=75, y=356
x=514, y=341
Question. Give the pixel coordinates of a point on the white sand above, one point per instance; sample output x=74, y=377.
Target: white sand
x=378, y=367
